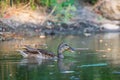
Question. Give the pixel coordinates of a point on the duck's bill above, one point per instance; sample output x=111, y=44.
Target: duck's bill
x=72, y=49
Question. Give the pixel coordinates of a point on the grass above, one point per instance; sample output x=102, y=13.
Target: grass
x=61, y=12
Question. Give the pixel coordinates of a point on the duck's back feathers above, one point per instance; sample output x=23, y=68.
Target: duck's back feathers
x=45, y=52
x=32, y=52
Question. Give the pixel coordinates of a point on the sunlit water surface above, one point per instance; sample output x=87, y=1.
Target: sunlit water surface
x=100, y=62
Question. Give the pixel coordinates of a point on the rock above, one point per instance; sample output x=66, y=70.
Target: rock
x=4, y=27
x=110, y=9
x=42, y=35
x=109, y=27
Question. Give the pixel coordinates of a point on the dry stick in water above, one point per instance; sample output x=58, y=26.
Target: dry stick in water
x=79, y=49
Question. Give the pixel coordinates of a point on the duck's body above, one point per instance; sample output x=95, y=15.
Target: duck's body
x=44, y=54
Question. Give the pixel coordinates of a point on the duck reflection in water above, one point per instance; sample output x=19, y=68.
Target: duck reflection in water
x=65, y=67
x=33, y=61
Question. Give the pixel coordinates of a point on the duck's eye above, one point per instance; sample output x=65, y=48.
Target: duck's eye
x=66, y=47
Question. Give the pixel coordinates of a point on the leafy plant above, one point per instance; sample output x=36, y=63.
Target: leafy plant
x=94, y=1
x=91, y=1
x=62, y=11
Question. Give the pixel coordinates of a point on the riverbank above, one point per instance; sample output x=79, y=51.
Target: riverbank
x=22, y=22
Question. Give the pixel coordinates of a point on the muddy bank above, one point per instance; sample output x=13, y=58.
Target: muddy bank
x=8, y=32
x=51, y=28
x=19, y=23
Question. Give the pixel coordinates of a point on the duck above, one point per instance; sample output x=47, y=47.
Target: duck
x=30, y=52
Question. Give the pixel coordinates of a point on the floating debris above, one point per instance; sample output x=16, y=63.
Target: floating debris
x=115, y=72
x=51, y=73
x=51, y=65
x=74, y=78
x=42, y=36
x=77, y=49
x=108, y=50
x=94, y=65
x=10, y=74
x=67, y=72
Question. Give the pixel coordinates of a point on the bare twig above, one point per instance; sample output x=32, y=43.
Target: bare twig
x=24, y=6
x=48, y=15
x=99, y=2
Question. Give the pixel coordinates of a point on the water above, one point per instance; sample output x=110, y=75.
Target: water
x=100, y=62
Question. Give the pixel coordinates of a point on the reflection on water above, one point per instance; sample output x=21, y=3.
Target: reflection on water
x=100, y=62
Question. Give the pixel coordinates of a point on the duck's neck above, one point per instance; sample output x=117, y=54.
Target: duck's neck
x=61, y=48
x=60, y=55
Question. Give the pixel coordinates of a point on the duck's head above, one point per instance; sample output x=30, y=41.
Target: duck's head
x=64, y=47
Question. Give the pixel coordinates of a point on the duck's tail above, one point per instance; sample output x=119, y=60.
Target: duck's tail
x=23, y=53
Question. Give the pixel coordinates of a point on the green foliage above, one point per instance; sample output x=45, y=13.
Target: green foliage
x=62, y=11
x=91, y=1
x=63, y=8
x=63, y=14
x=32, y=4
x=68, y=2
x=94, y=1
x=45, y=3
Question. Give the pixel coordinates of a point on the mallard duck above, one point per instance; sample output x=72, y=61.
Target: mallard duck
x=44, y=54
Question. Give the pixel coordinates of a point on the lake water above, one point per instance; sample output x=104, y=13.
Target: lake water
x=100, y=62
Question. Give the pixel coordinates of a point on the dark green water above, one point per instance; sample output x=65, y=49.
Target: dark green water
x=100, y=62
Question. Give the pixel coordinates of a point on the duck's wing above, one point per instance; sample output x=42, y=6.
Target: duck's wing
x=44, y=52
x=30, y=50
x=47, y=53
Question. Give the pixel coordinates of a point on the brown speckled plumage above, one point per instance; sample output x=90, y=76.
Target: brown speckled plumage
x=44, y=54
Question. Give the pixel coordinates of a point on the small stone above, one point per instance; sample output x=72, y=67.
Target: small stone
x=42, y=35
x=110, y=26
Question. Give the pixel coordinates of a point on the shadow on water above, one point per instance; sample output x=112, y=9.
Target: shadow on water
x=100, y=62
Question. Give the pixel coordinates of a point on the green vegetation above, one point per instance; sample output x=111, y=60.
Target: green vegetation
x=94, y=1
x=91, y=1
x=62, y=8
